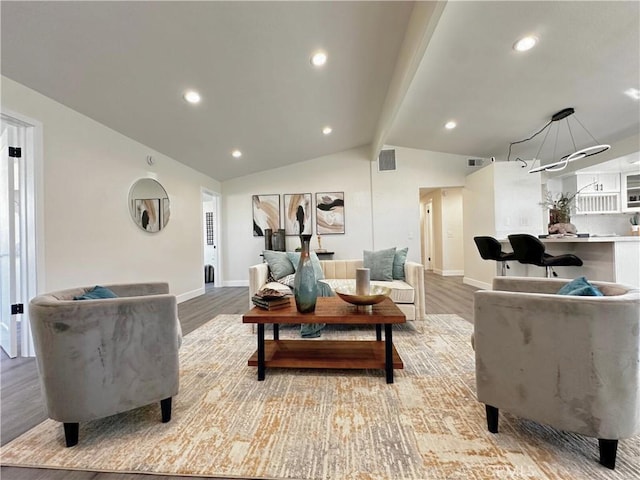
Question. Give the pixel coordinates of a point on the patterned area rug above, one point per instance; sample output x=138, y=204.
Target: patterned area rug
x=316, y=424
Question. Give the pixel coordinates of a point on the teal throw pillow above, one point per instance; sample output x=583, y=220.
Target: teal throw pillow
x=96, y=293
x=581, y=287
x=399, y=259
x=380, y=264
x=279, y=263
x=294, y=257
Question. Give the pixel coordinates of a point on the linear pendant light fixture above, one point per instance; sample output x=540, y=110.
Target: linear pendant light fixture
x=564, y=161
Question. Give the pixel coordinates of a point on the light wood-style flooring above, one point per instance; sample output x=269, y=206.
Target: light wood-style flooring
x=20, y=397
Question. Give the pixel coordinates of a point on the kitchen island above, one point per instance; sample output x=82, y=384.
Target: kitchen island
x=605, y=258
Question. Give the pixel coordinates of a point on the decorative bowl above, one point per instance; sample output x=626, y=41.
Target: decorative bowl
x=376, y=295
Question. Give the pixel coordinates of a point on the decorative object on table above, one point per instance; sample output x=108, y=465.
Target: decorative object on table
x=363, y=282
x=278, y=241
x=268, y=239
x=305, y=287
x=635, y=223
x=330, y=213
x=266, y=213
x=376, y=294
x=560, y=207
x=320, y=249
x=297, y=214
x=577, y=154
x=270, y=299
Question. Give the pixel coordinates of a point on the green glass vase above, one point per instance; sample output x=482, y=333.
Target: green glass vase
x=305, y=286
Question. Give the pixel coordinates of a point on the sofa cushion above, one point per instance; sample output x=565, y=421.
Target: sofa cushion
x=399, y=260
x=96, y=293
x=401, y=292
x=380, y=263
x=279, y=263
x=581, y=287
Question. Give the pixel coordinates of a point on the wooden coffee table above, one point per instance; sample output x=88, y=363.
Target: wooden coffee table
x=351, y=354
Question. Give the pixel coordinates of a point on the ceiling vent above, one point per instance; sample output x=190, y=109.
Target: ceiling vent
x=475, y=162
x=387, y=160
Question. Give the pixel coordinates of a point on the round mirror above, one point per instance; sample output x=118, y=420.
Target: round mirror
x=149, y=205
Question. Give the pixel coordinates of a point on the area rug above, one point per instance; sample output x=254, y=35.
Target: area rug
x=317, y=424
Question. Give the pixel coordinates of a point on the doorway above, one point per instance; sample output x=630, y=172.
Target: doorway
x=211, y=235
x=17, y=234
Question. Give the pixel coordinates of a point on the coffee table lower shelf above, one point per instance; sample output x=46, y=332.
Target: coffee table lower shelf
x=334, y=354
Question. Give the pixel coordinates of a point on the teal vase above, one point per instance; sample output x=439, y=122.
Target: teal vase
x=305, y=286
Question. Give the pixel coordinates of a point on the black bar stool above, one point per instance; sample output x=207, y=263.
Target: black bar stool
x=529, y=250
x=490, y=249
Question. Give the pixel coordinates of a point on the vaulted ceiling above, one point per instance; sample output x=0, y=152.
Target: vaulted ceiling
x=396, y=73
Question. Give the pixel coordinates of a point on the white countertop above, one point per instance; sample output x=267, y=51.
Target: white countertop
x=592, y=239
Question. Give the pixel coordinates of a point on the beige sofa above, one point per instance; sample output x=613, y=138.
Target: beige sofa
x=408, y=294
x=572, y=362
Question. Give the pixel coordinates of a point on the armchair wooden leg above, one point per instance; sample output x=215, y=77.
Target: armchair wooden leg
x=492, y=418
x=71, y=433
x=608, y=450
x=165, y=406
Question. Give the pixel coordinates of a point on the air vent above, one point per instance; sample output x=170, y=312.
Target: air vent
x=475, y=162
x=387, y=160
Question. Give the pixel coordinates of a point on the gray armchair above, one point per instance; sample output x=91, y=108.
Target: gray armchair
x=101, y=357
x=566, y=361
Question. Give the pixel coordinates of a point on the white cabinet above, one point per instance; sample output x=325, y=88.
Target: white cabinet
x=597, y=182
x=599, y=192
x=631, y=192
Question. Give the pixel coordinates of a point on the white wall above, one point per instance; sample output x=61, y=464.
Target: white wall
x=346, y=172
x=388, y=218
x=88, y=235
x=452, y=232
x=517, y=200
x=396, y=195
x=479, y=220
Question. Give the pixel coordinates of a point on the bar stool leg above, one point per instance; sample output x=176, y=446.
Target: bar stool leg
x=549, y=271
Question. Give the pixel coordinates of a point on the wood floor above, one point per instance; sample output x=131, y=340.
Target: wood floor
x=20, y=397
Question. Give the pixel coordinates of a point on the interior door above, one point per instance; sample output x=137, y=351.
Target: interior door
x=8, y=322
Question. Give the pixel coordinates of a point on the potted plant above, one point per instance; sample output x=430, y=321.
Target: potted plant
x=560, y=206
x=635, y=223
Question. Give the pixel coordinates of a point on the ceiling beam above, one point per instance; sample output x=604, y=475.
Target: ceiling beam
x=422, y=24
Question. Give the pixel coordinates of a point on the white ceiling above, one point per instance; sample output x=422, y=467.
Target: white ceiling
x=126, y=65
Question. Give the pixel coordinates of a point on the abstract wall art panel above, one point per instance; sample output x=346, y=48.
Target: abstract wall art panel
x=329, y=213
x=266, y=213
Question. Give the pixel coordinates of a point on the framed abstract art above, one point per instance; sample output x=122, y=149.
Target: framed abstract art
x=266, y=213
x=329, y=213
x=297, y=214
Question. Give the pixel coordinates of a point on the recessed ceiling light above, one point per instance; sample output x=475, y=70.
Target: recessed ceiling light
x=192, y=96
x=525, y=43
x=450, y=125
x=318, y=59
x=236, y=154
x=633, y=93
x=327, y=130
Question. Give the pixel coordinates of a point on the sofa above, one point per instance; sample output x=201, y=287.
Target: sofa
x=568, y=361
x=408, y=294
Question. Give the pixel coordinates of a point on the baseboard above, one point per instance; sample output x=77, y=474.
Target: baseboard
x=183, y=297
x=236, y=283
x=452, y=273
x=476, y=283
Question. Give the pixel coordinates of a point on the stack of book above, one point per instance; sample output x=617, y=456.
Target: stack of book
x=270, y=299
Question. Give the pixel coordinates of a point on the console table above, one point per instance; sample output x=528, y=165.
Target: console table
x=337, y=354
